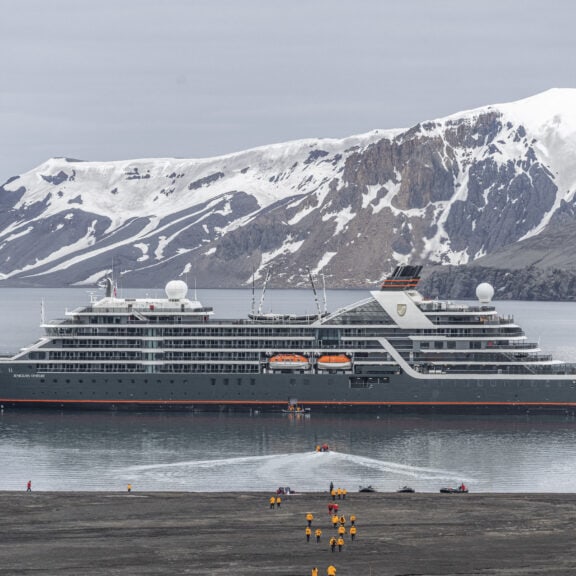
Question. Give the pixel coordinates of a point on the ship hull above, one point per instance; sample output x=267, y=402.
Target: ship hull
x=271, y=392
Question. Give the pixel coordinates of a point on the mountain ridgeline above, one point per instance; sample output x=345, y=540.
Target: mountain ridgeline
x=483, y=195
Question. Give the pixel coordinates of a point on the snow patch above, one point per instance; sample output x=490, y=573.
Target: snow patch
x=324, y=261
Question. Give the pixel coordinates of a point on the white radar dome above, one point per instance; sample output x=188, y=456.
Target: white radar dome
x=484, y=292
x=176, y=289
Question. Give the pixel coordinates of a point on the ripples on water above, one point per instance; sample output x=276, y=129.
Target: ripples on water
x=209, y=452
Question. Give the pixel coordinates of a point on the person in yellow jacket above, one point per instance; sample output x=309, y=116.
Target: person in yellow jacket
x=308, y=533
x=314, y=571
x=340, y=543
x=333, y=494
x=309, y=518
x=278, y=501
x=272, y=501
x=342, y=520
x=318, y=534
x=335, y=521
x=331, y=570
x=353, y=532
x=339, y=492
x=352, y=519
x=344, y=492
x=333, y=543
x=341, y=530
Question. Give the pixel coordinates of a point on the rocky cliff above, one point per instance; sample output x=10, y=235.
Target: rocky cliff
x=490, y=189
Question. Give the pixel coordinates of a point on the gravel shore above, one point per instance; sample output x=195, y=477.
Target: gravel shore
x=109, y=533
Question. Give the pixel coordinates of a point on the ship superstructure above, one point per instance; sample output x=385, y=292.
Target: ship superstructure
x=394, y=350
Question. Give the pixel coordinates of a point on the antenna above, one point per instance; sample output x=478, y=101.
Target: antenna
x=315, y=295
x=324, y=293
x=263, y=290
x=253, y=288
x=195, y=295
x=42, y=311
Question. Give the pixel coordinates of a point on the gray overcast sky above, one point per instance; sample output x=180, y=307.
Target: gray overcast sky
x=119, y=79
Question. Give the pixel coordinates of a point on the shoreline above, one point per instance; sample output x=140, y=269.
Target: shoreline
x=215, y=533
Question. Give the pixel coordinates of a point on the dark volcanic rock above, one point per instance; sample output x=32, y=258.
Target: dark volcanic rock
x=141, y=534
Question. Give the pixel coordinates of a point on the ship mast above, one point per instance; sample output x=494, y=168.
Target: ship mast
x=253, y=294
x=263, y=291
x=315, y=294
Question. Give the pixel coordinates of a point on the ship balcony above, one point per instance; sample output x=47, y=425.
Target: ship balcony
x=505, y=369
x=482, y=357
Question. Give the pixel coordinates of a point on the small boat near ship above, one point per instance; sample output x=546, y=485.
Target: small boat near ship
x=368, y=488
x=462, y=489
x=406, y=490
x=296, y=410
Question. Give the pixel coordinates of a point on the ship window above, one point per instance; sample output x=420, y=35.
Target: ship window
x=226, y=382
x=438, y=345
x=239, y=381
x=213, y=381
x=252, y=382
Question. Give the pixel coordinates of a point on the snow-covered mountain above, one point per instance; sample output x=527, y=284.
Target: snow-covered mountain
x=447, y=191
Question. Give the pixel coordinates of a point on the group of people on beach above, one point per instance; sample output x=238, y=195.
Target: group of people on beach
x=340, y=524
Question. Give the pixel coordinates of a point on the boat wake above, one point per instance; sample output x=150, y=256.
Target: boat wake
x=303, y=472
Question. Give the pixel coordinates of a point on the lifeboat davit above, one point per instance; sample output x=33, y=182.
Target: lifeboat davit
x=334, y=362
x=289, y=362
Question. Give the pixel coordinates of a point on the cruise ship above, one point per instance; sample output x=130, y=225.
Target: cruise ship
x=392, y=351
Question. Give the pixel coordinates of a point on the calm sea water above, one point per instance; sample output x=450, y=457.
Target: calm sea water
x=210, y=452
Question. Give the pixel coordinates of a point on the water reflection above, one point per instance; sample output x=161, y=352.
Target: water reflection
x=224, y=452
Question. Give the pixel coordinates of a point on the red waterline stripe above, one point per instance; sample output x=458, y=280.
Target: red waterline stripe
x=282, y=402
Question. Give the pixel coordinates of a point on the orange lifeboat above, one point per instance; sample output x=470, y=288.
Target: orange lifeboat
x=334, y=362
x=289, y=362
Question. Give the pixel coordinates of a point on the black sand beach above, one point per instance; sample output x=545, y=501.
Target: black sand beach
x=108, y=533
